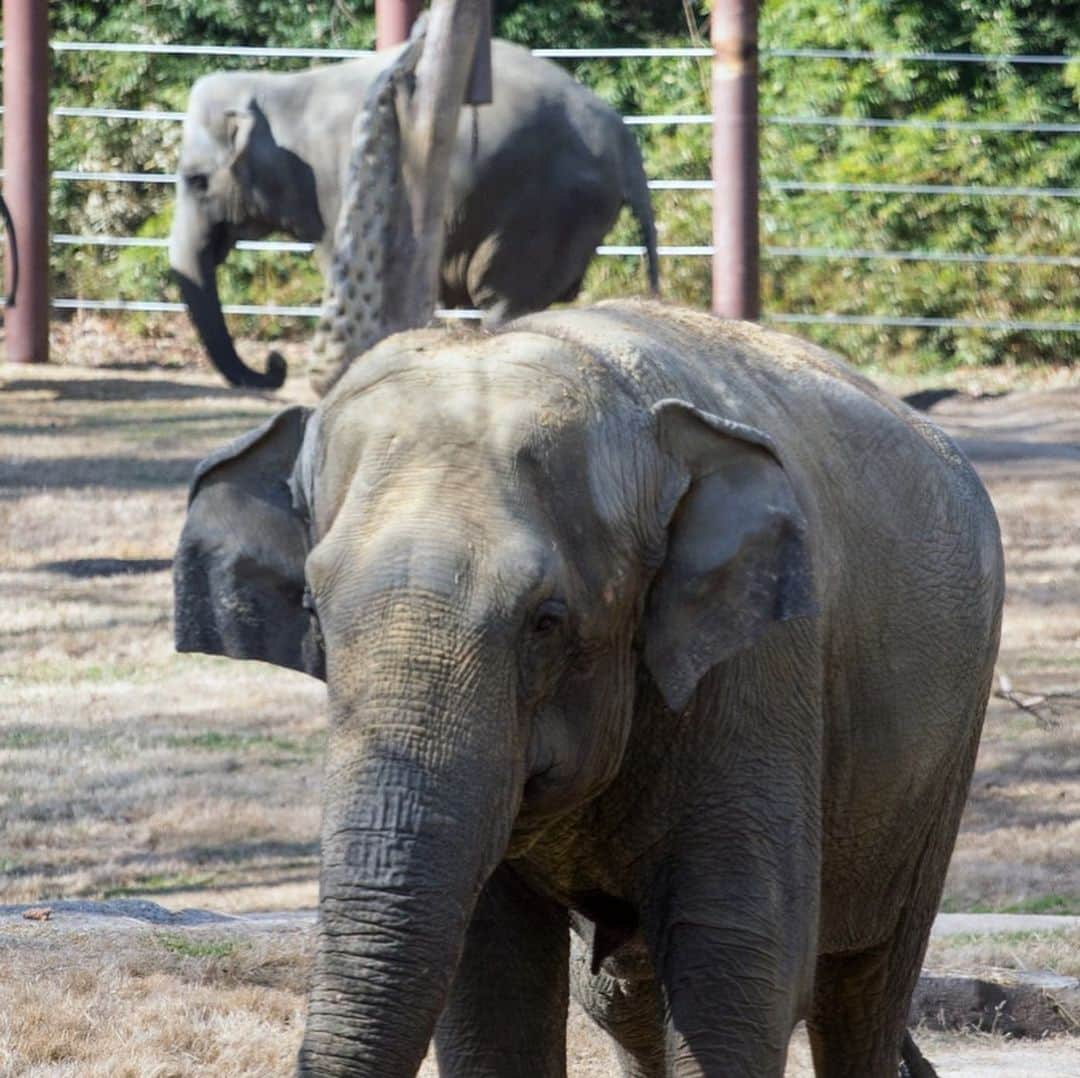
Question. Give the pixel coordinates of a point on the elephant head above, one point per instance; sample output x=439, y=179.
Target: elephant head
x=235, y=182
x=505, y=544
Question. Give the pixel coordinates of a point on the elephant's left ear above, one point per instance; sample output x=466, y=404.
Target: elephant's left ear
x=736, y=559
x=238, y=574
x=239, y=124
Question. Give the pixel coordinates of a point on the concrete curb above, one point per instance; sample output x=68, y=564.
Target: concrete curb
x=998, y=1001
x=1028, y=1004
x=951, y=924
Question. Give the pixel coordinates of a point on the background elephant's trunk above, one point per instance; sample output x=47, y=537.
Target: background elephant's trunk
x=422, y=787
x=194, y=266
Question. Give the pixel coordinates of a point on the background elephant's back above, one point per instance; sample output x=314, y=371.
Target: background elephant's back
x=538, y=115
x=559, y=150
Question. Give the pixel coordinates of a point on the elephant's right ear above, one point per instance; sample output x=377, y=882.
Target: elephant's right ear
x=238, y=575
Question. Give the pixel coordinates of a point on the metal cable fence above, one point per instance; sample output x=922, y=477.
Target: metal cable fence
x=671, y=120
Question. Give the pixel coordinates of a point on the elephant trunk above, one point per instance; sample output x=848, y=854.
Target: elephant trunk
x=194, y=264
x=421, y=795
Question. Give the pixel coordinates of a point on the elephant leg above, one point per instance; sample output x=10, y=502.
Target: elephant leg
x=506, y=1015
x=733, y=939
x=861, y=1000
x=729, y=1013
x=858, y=1021
x=629, y=1010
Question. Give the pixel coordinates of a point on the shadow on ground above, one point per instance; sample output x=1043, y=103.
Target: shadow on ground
x=121, y=389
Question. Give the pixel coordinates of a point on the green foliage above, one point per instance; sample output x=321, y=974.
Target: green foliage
x=970, y=224
x=884, y=89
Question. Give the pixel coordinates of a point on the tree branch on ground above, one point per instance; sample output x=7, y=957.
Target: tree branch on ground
x=1046, y=708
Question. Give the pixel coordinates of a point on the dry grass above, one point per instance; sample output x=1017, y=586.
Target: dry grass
x=192, y=1003
x=128, y=770
x=151, y=1004
x=1058, y=951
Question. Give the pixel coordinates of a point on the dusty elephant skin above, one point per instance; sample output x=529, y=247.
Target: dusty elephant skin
x=537, y=180
x=671, y=629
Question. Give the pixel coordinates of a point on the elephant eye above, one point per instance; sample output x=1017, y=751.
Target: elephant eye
x=197, y=181
x=549, y=616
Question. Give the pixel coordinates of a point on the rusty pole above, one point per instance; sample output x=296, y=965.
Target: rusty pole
x=393, y=21
x=735, y=288
x=26, y=174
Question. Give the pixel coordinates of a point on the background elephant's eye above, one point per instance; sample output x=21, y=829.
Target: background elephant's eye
x=550, y=615
x=197, y=181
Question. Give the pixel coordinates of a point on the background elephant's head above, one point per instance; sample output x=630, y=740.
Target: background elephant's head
x=506, y=543
x=235, y=181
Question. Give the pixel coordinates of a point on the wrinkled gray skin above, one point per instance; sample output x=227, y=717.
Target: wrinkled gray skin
x=538, y=178
x=671, y=627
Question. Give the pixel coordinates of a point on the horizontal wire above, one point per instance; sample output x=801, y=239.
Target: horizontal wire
x=926, y=57
x=161, y=49
x=623, y=250
x=677, y=120
x=628, y=53
x=569, y=54
x=882, y=188
x=981, y=257
x=117, y=114
x=658, y=119
x=921, y=125
x=779, y=317
x=927, y=323
x=680, y=185
x=164, y=307
x=924, y=189
x=77, y=176
x=65, y=239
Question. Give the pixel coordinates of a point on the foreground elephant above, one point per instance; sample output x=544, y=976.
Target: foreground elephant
x=671, y=626
x=537, y=180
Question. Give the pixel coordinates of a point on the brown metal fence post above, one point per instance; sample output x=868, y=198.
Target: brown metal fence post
x=26, y=174
x=393, y=21
x=735, y=286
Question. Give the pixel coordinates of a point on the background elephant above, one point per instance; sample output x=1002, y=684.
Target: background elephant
x=673, y=626
x=538, y=178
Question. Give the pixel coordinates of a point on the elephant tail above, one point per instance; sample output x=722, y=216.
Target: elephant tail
x=636, y=196
x=915, y=1065
x=13, y=275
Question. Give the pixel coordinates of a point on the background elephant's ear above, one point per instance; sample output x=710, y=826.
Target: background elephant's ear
x=238, y=575
x=239, y=124
x=736, y=559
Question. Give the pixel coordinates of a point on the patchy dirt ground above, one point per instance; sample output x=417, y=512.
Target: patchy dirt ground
x=126, y=770
x=106, y=1003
